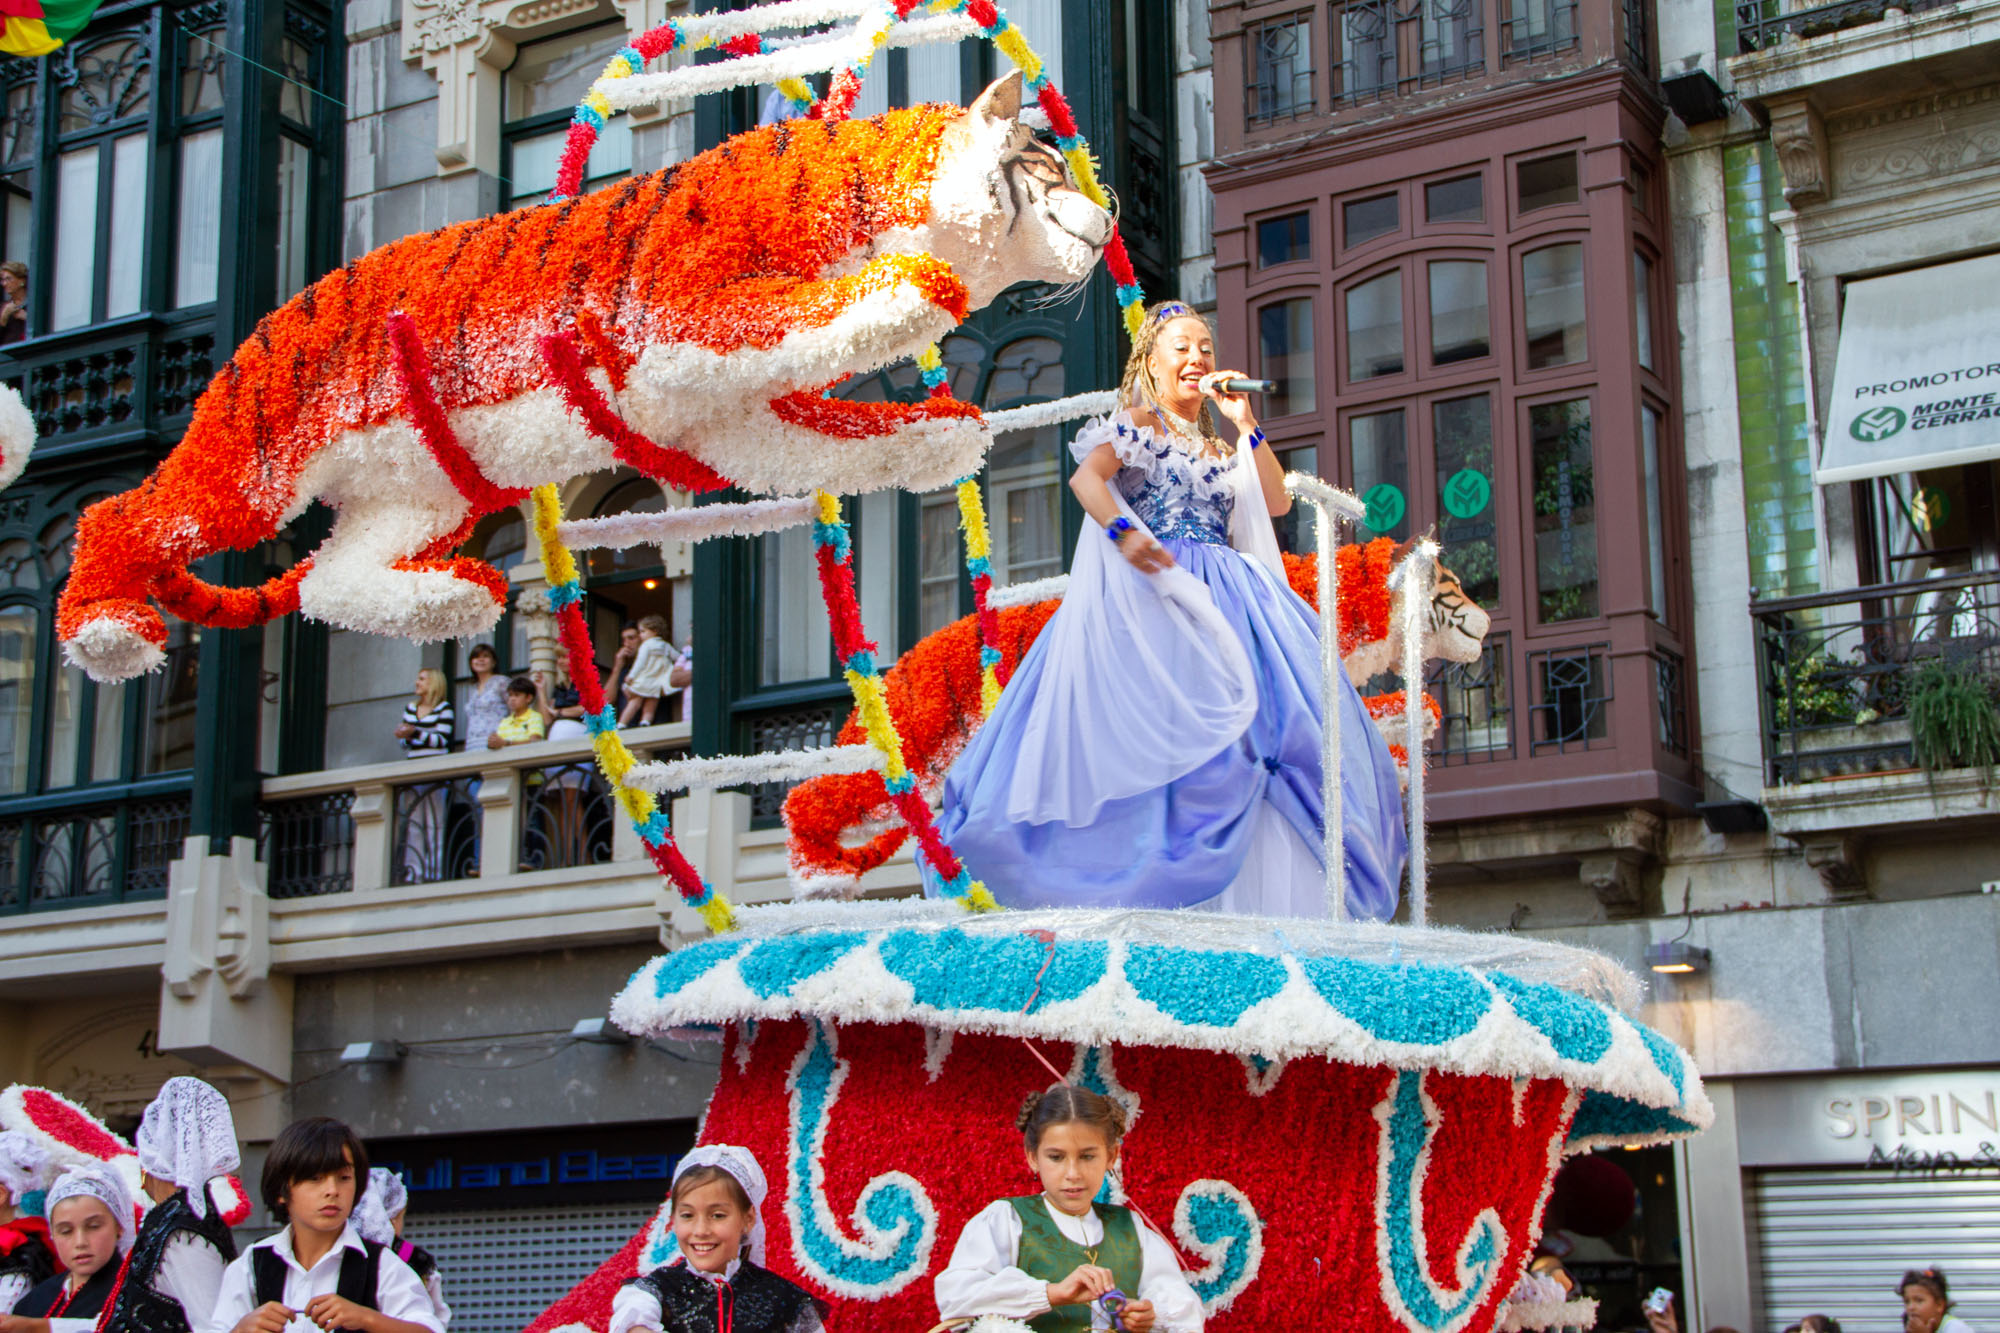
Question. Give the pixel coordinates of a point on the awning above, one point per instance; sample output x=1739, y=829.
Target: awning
x=1917, y=384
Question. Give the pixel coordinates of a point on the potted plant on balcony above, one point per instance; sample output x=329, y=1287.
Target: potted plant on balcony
x=1954, y=722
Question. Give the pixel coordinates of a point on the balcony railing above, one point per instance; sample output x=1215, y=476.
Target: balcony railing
x=88, y=849
x=128, y=377
x=489, y=814
x=1838, y=668
x=1763, y=24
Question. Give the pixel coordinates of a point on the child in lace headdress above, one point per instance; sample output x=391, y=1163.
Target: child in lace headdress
x=91, y=1220
x=379, y=1218
x=716, y=1285
x=186, y=1139
x=27, y=1259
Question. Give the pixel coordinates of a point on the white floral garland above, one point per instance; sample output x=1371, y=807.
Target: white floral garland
x=1026, y=594
x=1054, y=412
x=616, y=532
x=1537, y=1315
x=17, y=435
x=750, y=769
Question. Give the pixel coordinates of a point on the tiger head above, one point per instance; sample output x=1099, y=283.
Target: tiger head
x=1005, y=207
x=1457, y=625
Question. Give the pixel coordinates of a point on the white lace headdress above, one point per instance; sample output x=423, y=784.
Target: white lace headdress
x=375, y=1215
x=25, y=1166
x=188, y=1137
x=105, y=1185
x=740, y=1164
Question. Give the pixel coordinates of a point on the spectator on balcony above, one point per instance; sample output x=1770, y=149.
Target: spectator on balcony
x=488, y=704
x=425, y=730
x=522, y=724
x=621, y=662
x=648, y=680
x=13, y=301
x=561, y=708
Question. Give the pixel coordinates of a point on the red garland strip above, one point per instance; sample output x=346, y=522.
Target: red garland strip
x=565, y=365
x=836, y=584
x=413, y=372
x=188, y=598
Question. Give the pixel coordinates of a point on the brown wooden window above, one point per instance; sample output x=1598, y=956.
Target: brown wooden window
x=1467, y=508
x=1562, y=480
x=1281, y=71
x=1374, y=312
x=1460, y=199
x=1552, y=306
x=1461, y=327
x=1362, y=220
x=1284, y=240
x=1545, y=182
x=1379, y=454
x=1642, y=306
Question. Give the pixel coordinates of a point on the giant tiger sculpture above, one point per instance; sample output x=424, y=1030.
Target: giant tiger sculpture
x=841, y=826
x=685, y=323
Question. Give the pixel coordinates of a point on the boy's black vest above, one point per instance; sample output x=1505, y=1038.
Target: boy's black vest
x=25, y=1252
x=140, y=1309
x=758, y=1300
x=359, y=1273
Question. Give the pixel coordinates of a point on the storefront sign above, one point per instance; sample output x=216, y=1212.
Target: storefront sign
x=1931, y=1122
x=587, y=1164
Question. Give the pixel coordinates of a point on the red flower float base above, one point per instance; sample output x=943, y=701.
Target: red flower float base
x=1349, y=1127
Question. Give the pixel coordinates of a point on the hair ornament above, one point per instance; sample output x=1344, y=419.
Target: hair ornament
x=1167, y=310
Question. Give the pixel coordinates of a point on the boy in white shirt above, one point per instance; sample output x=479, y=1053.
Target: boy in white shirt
x=318, y=1273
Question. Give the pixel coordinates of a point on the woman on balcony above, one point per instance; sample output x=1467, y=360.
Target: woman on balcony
x=1159, y=746
x=425, y=730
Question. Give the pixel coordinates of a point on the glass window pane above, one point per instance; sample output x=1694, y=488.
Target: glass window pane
x=295, y=97
x=1462, y=431
x=198, y=238
x=1382, y=471
x=1026, y=370
x=114, y=80
x=1365, y=219
x=107, y=737
x=876, y=523
x=1298, y=533
x=1552, y=295
x=202, y=66
x=64, y=730
x=1041, y=22
x=1461, y=199
x=17, y=694
x=76, y=238
x=553, y=75
x=1656, y=526
x=127, y=241
x=1368, y=52
x=1642, y=298
x=534, y=158
x=794, y=641
x=170, y=694
x=1459, y=328
x=1283, y=240
x=20, y=238
x=937, y=561
x=637, y=496
x=934, y=73
x=18, y=121
x=1375, y=327
x=1564, y=483
x=1280, y=68
x=1545, y=182
x=294, y=215
x=1024, y=491
x=1285, y=354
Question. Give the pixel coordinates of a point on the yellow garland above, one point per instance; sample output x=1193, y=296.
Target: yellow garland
x=972, y=518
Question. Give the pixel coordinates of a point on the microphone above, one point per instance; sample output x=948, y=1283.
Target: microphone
x=1234, y=385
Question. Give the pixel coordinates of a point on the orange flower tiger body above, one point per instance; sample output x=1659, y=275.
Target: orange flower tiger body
x=706, y=306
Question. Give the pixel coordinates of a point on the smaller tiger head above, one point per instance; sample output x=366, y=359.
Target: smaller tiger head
x=1458, y=624
x=1005, y=207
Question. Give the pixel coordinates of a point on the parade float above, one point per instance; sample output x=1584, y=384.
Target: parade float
x=1340, y=1124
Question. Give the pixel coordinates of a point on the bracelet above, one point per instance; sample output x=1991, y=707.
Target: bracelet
x=1117, y=528
x=1256, y=437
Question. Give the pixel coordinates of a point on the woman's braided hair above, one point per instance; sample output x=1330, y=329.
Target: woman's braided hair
x=1068, y=1104
x=1137, y=389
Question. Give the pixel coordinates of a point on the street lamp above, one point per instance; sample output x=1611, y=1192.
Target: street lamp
x=1677, y=958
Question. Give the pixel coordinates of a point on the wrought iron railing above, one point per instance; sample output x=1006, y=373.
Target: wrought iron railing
x=808, y=727
x=569, y=818
x=1571, y=696
x=83, y=855
x=1281, y=70
x=307, y=845
x=1836, y=669
x=1476, y=705
x=436, y=829
x=135, y=375
x=1763, y=24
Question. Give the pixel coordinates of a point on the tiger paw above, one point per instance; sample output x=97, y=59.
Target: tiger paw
x=113, y=641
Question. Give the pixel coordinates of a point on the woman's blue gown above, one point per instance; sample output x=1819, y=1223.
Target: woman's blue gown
x=1159, y=745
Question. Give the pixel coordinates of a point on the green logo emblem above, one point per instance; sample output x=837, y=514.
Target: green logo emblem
x=1877, y=424
x=1467, y=493
x=1929, y=509
x=1385, y=507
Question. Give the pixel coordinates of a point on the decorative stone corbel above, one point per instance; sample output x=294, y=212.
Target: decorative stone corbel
x=1836, y=859
x=1799, y=139
x=1616, y=873
x=219, y=1002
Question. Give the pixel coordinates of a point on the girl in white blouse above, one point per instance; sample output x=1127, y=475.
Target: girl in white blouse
x=1048, y=1258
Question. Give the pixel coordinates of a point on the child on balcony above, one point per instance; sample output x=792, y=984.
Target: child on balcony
x=647, y=680
x=716, y=1282
x=522, y=724
x=1047, y=1258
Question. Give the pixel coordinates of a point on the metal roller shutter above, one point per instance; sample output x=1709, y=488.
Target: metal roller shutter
x=1835, y=1242
x=504, y=1267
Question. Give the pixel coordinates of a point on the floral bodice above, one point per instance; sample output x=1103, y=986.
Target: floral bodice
x=1174, y=493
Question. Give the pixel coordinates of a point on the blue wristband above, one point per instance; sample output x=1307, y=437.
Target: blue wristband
x=1117, y=528
x=1256, y=437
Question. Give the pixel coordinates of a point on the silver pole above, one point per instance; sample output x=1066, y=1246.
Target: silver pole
x=1413, y=577
x=1330, y=504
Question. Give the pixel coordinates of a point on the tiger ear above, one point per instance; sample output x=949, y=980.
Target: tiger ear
x=1001, y=101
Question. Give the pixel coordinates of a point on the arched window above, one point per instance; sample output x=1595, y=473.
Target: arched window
x=628, y=585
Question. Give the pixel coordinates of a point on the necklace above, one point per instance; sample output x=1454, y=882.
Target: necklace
x=1185, y=433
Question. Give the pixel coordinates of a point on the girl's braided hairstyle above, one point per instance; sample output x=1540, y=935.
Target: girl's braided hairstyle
x=1068, y=1104
x=1137, y=389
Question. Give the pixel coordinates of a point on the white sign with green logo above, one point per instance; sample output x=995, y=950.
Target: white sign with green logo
x=1917, y=382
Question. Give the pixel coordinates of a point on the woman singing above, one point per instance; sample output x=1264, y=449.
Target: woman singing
x=1159, y=746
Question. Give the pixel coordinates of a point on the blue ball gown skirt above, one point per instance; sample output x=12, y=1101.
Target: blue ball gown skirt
x=1186, y=842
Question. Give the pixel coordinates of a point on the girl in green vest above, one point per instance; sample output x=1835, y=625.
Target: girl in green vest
x=1046, y=1258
